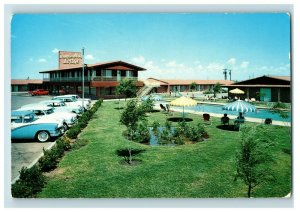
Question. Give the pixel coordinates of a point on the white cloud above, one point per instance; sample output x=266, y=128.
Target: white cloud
x=199, y=67
x=42, y=60
x=214, y=67
x=139, y=60
x=55, y=50
x=174, y=64
x=89, y=57
x=245, y=64
x=231, y=61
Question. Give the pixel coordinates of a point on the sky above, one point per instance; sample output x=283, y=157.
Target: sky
x=168, y=45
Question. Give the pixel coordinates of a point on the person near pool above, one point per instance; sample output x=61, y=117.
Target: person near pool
x=240, y=119
x=225, y=119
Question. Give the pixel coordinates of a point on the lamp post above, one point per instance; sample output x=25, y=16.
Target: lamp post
x=82, y=77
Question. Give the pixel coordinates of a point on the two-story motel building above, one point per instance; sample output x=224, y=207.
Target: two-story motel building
x=100, y=79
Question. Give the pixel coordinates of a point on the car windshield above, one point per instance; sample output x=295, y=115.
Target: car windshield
x=49, y=111
x=28, y=118
x=16, y=119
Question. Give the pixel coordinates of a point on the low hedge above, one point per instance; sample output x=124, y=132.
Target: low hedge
x=31, y=182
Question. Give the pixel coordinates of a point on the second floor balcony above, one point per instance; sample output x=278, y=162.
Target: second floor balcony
x=89, y=79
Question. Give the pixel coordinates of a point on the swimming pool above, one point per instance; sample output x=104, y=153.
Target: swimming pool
x=261, y=113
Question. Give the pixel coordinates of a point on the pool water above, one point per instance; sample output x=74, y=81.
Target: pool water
x=260, y=113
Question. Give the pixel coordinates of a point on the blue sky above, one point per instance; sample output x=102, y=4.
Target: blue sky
x=169, y=46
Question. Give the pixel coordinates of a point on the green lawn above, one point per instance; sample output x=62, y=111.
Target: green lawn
x=200, y=170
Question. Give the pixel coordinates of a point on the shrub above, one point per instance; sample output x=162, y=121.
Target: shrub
x=168, y=125
x=165, y=137
x=64, y=143
x=82, y=124
x=155, y=126
x=98, y=103
x=74, y=131
x=142, y=134
x=179, y=140
x=194, y=134
x=148, y=105
x=49, y=160
x=30, y=183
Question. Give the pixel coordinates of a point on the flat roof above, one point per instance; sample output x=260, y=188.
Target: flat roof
x=26, y=81
x=189, y=82
x=259, y=85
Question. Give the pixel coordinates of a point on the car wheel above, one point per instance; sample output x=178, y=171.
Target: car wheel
x=43, y=136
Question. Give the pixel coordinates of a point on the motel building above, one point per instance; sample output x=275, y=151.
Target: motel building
x=174, y=85
x=264, y=88
x=100, y=79
x=24, y=85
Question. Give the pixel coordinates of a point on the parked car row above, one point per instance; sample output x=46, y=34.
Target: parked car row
x=47, y=119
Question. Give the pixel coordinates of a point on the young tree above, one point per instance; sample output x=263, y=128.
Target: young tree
x=130, y=117
x=193, y=86
x=253, y=160
x=127, y=87
x=148, y=105
x=217, y=88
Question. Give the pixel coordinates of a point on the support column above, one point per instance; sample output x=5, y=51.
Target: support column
x=279, y=100
x=98, y=91
x=248, y=93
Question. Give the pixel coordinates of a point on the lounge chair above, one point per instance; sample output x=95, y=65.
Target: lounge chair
x=170, y=112
x=163, y=108
x=206, y=118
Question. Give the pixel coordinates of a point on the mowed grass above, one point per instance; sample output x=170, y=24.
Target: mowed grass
x=200, y=170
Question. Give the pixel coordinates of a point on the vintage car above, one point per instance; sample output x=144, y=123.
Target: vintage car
x=38, y=92
x=26, y=125
x=42, y=111
x=77, y=97
x=71, y=101
x=60, y=106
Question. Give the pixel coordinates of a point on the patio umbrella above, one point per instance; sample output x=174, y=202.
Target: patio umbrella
x=240, y=106
x=183, y=102
x=236, y=91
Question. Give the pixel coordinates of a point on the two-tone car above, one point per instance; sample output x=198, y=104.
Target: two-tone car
x=26, y=125
x=77, y=97
x=73, y=101
x=47, y=113
x=61, y=106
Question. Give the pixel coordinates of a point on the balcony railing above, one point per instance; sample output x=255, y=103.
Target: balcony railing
x=102, y=78
x=87, y=79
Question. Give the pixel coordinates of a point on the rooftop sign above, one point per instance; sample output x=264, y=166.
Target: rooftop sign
x=69, y=59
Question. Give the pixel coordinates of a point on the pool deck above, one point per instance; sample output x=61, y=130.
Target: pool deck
x=232, y=117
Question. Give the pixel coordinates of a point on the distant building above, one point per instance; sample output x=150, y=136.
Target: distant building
x=167, y=85
x=22, y=85
x=265, y=88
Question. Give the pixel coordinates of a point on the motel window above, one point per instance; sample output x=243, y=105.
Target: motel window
x=108, y=73
x=129, y=74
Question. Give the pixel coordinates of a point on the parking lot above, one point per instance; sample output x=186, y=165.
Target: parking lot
x=24, y=153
